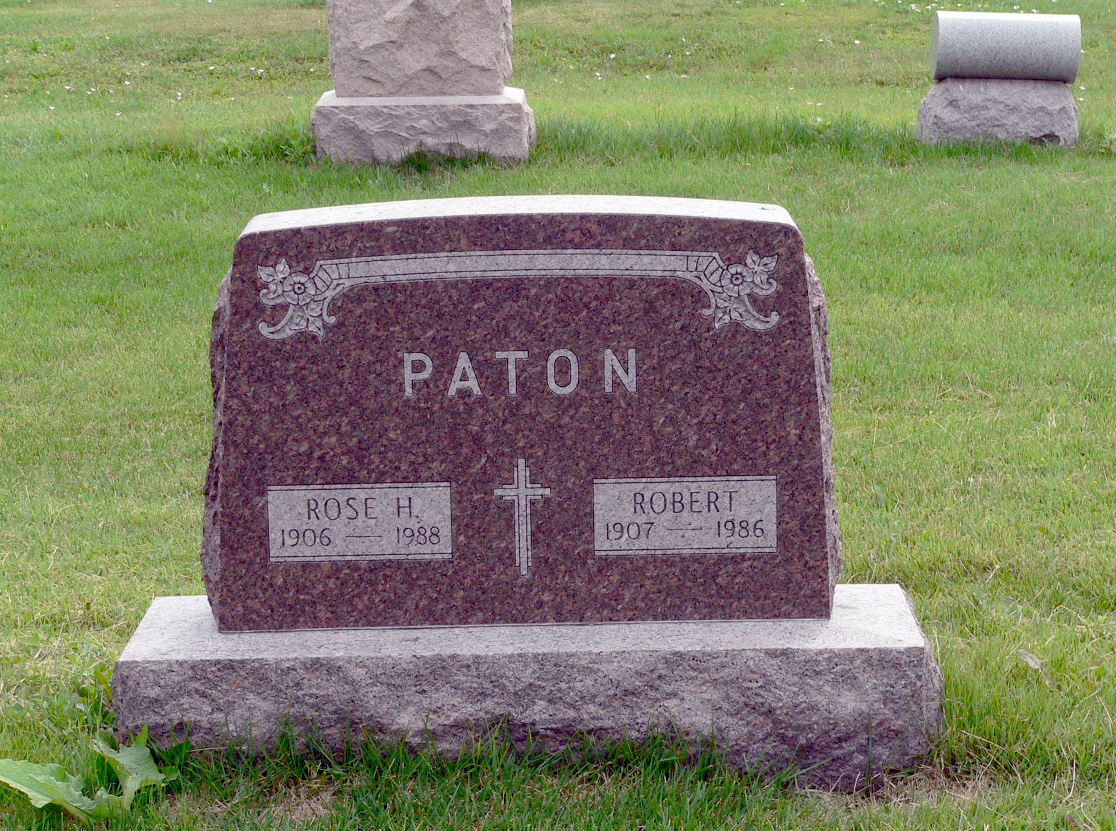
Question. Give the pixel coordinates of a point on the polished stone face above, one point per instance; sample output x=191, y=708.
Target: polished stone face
x=1023, y=47
x=520, y=410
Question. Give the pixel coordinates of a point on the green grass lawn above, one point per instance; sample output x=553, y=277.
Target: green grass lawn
x=973, y=328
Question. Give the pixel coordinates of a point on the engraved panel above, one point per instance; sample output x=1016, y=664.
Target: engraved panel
x=728, y=286
x=708, y=515
x=321, y=523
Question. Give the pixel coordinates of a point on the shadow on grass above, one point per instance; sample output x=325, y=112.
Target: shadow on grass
x=377, y=781
x=729, y=136
x=723, y=137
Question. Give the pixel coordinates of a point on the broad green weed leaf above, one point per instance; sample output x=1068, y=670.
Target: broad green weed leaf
x=133, y=766
x=46, y=784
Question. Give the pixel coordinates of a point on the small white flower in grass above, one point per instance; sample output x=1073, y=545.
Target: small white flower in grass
x=127, y=83
x=856, y=42
x=50, y=108
x=68, y=89
x=612, y=56
x=118, y=115
x=648, y=77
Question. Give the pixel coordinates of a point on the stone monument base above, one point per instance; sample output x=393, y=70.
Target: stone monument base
x=840, y=700
x=388, y=130
x=989, y=109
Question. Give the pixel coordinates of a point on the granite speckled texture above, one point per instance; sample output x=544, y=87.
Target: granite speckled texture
x=985, y=109
x=843, y=699
x=419, y=47
x=326, y=405
x=421, y=76
x=388, y=130
x=1033, y=47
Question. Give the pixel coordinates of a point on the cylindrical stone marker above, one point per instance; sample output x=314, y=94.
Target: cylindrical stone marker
x=1025, y=47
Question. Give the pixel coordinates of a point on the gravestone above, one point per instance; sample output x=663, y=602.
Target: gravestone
x=421, y=76
x=560, y=413
x=559, y=463
x=1002, y=77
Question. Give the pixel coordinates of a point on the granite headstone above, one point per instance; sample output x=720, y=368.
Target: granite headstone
x=597, y=427
x=421, y=76
x=1002, y=77
x=520, y=410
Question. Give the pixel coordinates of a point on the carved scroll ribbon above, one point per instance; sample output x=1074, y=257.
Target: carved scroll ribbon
x=308, y=296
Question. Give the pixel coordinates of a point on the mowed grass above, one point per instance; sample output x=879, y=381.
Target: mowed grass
x=973, y=330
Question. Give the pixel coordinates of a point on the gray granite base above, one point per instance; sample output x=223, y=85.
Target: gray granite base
x=388, y=130
x=841, y=700
x=990, y=109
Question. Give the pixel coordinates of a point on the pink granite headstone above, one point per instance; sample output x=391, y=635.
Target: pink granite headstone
x=521, y=409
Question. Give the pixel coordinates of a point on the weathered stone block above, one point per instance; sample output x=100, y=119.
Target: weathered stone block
x=843, y=699
x=388, y=130
x=985, y=109
x=419, y=47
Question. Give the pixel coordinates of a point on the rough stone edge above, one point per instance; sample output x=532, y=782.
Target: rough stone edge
x=347, y=55
x=978, y=110
x=819, y=331
x=499, y=126
x=211, y=521
x=841, y=714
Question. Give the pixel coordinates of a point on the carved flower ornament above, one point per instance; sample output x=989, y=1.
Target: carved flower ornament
x=730, y=285
x=307, y=295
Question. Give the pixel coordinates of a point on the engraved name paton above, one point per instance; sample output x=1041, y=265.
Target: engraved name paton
x=436, y=426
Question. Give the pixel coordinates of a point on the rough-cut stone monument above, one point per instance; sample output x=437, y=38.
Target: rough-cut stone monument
x=1002, y=77
x=421, y=76
x=505, y=419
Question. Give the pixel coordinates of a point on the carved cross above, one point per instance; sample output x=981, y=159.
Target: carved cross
x=522, y=492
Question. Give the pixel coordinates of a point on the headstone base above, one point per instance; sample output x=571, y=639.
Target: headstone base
x=989, y=109
x=841, y=700
x=388, y=130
